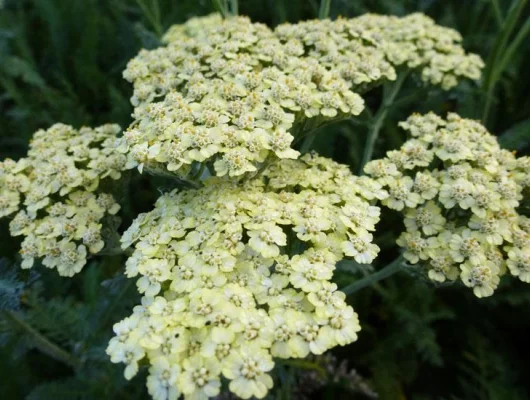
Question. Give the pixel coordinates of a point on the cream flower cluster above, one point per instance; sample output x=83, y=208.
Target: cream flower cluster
x=368, y=48
x=459, y=193
x=235, y=274
x=230, y=93
x=51, y=194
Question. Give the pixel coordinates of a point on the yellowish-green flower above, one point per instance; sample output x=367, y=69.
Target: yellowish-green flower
x=464, y=221
x=234, y=274
x=53, y=198
x=161, y=382
x=230, y=93
x=519, y=263
x=247, y=370
x=427, y=219
x=483, y=277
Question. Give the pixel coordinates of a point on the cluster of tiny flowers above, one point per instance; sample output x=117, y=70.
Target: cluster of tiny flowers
x=230, y=93
x=51, y=194
x=459, y=193
x=368, y=48
x=236, y=274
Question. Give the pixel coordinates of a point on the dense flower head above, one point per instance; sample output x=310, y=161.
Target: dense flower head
x=230, y=93
x=369, y=48
x=459, y=193
x=235, y=274
x=51, y=195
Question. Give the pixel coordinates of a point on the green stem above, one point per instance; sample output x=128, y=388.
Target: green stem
x=390, y=93
x=286, y=375
x=493, y=70
x=385, y=272
x=308, y=141
x=183, y=181
x=515, y=43
x=280, y=12
x=197, y=177
x=42, y=343
x=234, y=7
x=325, y=5
x=152, y=16
x=220, y=6
x=299, y=131
x=497, y=12
x=157, y=18
x=308, y=132
x=116, y=251
x=268, y=161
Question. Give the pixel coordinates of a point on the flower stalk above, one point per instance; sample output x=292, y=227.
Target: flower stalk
x=222, y=7
x=234, y=7
x=325, y=5
x=494, y=68
x=385, y=272
x=153, y=16
x=42, y=343
x=390, y=93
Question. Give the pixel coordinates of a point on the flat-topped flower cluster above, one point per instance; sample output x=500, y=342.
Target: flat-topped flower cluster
x=370, y=48
x=52, y=197
x=230, y=93
x=459, y=193
x=235, y=274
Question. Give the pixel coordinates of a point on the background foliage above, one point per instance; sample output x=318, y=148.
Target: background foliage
x=62, y=61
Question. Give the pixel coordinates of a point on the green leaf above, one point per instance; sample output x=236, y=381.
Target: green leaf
x=10, y=287
x=16, y=67
x=517, y=137
x=65, y=389
x=62, y=320
x=148, y=39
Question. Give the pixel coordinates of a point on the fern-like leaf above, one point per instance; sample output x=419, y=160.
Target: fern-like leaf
x=10, y=287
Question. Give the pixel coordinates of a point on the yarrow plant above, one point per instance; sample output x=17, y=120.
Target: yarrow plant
x=52, y=194
x=233, y=275
x=458, y=192
x=235, y=262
